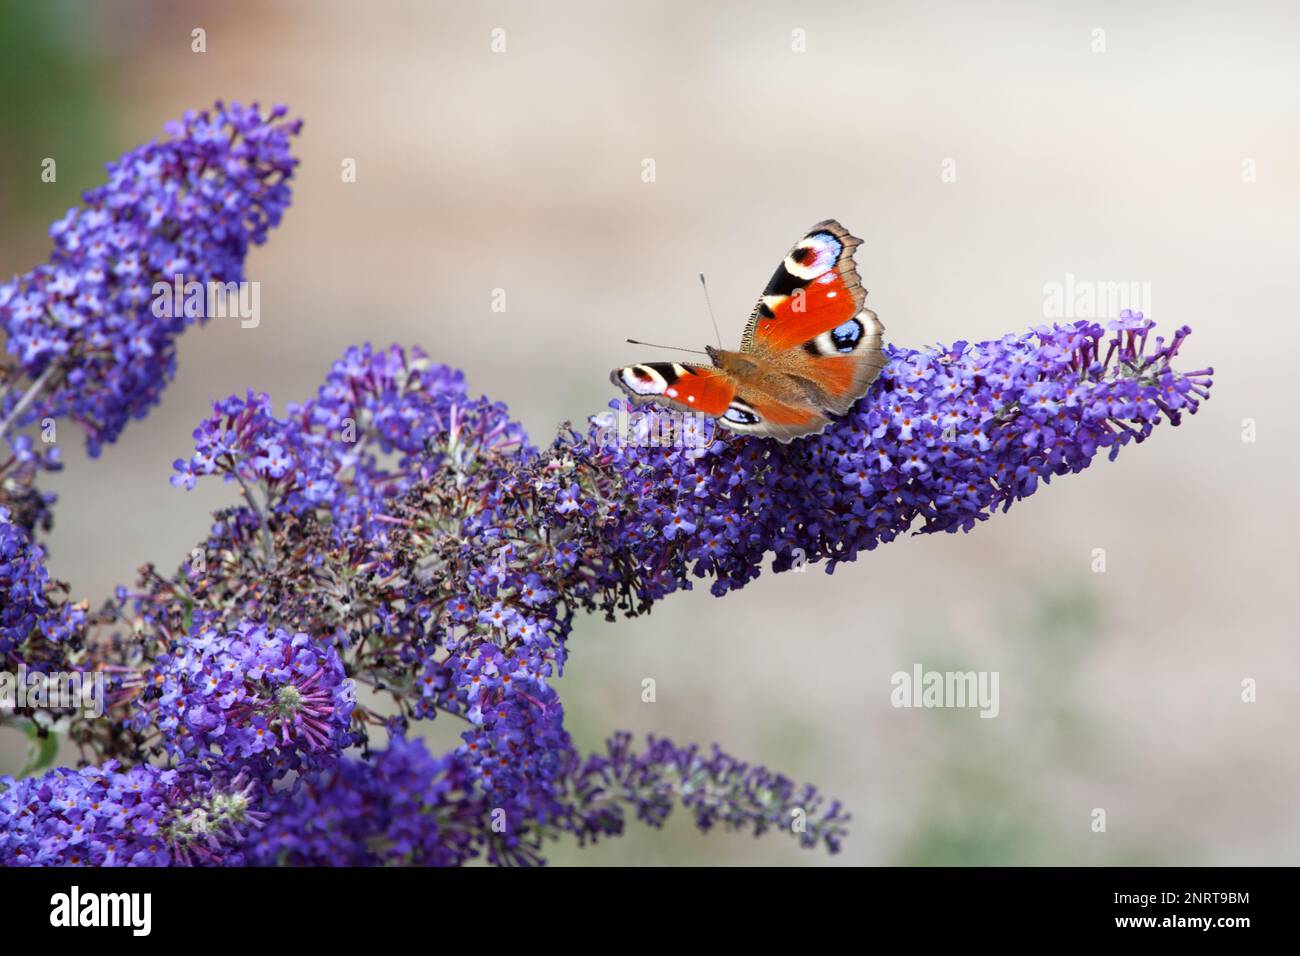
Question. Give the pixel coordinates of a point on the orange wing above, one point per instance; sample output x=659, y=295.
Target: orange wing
x=712, y=391
x=696, y=388
x=814, y=290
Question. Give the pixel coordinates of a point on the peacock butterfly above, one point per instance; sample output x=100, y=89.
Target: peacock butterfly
x=810, y=350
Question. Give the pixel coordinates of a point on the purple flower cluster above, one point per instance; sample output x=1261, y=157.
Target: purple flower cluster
x=83, y=326
x=333, y=457
x=28, y=506
x=402, y=806
x=396, y=532
x=483, y=547
x=251, y=697
x=946, y=437
x=519, y=753
x=28, y=605
x=140, y=816
x=717, y=789
x=22, y=586
x=336, y=452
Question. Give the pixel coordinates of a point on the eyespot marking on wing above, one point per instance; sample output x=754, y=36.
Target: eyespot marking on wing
x=740, y=412
x=643, y=381
x=648, y=380
x=844, y=339
x=815, y=254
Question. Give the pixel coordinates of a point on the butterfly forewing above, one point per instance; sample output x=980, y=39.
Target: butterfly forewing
x=814, y=290
x=699, y=388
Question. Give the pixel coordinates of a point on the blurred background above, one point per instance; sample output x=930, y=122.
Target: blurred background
x=982, y=151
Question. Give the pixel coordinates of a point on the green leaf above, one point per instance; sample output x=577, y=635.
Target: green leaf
x=41, y=751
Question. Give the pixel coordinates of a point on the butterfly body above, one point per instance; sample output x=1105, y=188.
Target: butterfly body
x=811, y=349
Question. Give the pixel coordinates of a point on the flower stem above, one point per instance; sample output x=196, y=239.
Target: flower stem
x=28, y=397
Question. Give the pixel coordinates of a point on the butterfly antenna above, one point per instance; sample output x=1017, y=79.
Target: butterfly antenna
x=675, y=348
x=709, y=305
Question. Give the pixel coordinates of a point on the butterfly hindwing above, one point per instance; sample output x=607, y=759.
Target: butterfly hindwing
x=845, y=360
x=763, y=415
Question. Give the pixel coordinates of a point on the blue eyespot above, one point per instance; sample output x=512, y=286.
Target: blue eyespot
x=847, y=336
x=740, y=416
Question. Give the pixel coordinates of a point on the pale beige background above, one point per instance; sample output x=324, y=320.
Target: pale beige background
x=522, y=171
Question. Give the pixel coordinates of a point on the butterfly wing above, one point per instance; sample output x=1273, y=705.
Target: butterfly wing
x=815, y=289
x=713, y=391
x=696, y=388
x=769, y=417
x=812, y=322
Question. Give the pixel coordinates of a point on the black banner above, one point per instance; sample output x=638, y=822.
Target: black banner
x=332, y=906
